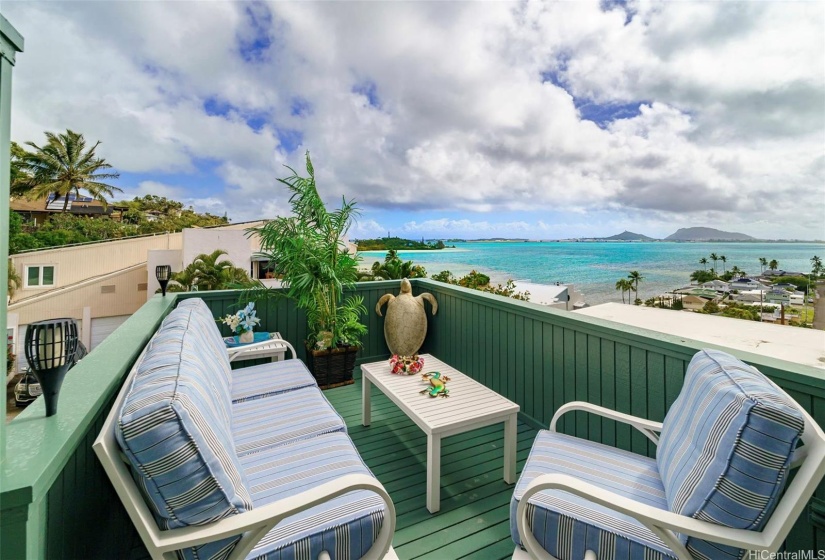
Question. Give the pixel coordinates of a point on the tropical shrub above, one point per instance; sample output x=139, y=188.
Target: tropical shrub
x=307, y=250
x=209, y=272
x=393, y=268
x=474, y=280
x=702, y=276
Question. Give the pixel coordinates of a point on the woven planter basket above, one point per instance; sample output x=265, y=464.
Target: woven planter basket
x=332, y=368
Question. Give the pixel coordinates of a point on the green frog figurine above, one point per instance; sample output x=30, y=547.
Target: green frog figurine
x=438, y=384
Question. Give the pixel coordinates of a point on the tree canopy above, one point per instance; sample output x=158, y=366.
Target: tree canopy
x=62, y=166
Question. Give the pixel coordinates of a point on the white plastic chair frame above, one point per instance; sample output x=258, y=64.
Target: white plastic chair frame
x=810, y=459
x=253, y=525
x=236, y=351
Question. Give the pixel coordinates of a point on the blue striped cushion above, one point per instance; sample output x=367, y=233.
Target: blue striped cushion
x=278, y=419
x=213, y=345
x=346, y=527
x=174, y=429
x=726, y=447
x=260, y=381
x=566, y=525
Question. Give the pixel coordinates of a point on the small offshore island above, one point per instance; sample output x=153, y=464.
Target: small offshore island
x=399, y=244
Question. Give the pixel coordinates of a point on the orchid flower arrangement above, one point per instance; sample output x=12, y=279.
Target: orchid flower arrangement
x=242, y=321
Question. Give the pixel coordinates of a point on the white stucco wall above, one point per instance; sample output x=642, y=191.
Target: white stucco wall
x=234, y=242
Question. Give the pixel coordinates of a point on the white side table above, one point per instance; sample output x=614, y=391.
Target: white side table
x=273, y=350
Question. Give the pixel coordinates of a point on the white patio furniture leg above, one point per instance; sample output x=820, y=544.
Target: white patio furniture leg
x=510, y=439
x=365, y=400
x=433, y=472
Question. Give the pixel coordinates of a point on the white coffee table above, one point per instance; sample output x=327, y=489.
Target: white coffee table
x=470, y=405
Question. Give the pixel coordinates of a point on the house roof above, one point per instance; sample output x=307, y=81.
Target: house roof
x=82, y=205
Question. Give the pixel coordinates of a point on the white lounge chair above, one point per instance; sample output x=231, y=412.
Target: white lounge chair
x=724, y=453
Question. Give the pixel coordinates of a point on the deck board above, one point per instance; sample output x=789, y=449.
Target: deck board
x=474, y=521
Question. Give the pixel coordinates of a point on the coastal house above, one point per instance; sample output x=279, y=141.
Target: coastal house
x=778, y=296
x=770, y=275
x=693, y=303
x=706, y=293
x=719, y=285
x=37, y=211
x=753, y=296
x=746, y=284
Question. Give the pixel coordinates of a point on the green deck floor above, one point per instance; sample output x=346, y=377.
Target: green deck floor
x=474, y=517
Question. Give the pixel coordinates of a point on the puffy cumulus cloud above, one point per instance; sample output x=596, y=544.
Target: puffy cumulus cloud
x=656, y=112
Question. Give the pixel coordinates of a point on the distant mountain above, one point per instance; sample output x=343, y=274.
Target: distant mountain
x=628, y=236
x=707, y=234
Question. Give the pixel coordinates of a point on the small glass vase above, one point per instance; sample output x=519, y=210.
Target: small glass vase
x=246, y=337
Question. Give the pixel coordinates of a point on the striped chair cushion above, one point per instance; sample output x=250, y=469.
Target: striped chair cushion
x=726, y=447
x=174, y=428
x=345, y=527
x=566, y=525
x=279, y=419
x=260, y=381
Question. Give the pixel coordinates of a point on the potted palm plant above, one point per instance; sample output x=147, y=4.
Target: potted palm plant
x=308, y=252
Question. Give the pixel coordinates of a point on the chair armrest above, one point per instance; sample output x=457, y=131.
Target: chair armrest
x=238, y=350
x=649, y=428
x=259, y=521
x=662, y=522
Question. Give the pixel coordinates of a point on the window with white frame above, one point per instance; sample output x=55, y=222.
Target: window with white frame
x=39, y=275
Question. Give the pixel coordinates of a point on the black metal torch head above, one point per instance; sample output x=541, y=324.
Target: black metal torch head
x=50, y=348
x=163, y=273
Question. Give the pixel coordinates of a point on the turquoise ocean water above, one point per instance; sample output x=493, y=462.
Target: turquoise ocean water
x=595, y=267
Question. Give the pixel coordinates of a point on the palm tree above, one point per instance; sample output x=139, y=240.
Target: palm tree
x=208, y=272
x=714, y=257
x=763, y=262
x=393, y=268
x=18, y=177
x=624, y=285
x=816, y=266
x=63, y=166
x=724, y=259
x=735, y=271
x=13, y=281
x=704, y=262
x=773, y=265
x=185, y=280
x=213, y=273
x=635, y=276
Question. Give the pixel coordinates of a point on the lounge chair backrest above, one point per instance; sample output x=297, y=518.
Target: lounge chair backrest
x=726, y=444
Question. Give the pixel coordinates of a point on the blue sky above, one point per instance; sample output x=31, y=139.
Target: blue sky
x=529, y=119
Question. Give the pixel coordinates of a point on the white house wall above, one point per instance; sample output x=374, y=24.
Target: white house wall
x=115, y=294
x=77, y=263
x=205, y=241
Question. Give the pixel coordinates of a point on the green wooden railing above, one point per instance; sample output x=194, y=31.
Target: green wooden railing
x=57, y=503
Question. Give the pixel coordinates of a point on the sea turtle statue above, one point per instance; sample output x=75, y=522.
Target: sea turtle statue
x=406, y=324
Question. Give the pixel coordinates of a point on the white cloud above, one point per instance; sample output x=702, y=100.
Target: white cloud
x=730, y=129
